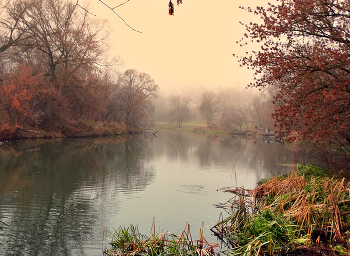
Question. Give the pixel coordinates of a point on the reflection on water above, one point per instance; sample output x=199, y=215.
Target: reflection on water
x=56, y=197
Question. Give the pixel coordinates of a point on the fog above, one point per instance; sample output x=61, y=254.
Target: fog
x=190, y=51
x=236, y=108
x=186, y=54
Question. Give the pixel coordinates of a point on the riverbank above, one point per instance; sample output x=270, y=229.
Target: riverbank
x=197, y=127
x=96, y=129
x=74, y=130
x=305, y=212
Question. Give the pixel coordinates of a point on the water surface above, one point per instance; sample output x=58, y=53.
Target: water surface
x=57, y=196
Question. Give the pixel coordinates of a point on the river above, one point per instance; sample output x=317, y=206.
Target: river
x=57, y=196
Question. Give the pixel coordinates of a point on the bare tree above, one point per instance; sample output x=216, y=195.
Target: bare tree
x=209, y=106
x=65, y=38
x=261, y=110
x=135, y=98
x=234, y=119
x=12, y=31
x=180, y=111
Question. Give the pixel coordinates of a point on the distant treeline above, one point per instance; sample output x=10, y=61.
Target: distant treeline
x=229, y=109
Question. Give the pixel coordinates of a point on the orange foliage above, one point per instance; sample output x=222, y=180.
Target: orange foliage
x=17, y=94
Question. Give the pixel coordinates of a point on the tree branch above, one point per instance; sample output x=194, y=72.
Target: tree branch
x=120, y=4
x=112, y=9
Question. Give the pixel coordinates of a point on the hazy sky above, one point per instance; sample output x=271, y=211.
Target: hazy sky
x=193, y=48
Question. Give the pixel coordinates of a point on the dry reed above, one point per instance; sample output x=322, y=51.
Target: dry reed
x=128, y=242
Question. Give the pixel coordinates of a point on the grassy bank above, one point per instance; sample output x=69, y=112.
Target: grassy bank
x=195, y=127
x=306, y=212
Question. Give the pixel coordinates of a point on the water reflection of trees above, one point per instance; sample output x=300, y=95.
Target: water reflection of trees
x=207, y=152
x=259, y=157
x=52, y=192
x=178, y=145
x=262, y=157
x=266, y=155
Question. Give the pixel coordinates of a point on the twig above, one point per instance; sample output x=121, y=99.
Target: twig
x=120, y=4
x=112, y=9
x=85, y=9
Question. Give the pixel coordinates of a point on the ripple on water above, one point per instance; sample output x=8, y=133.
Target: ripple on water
x=195, y=189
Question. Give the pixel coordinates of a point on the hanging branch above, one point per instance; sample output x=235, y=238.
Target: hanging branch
x=171, y=10
x=112, y=9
